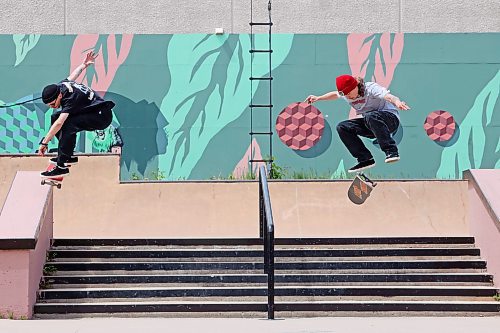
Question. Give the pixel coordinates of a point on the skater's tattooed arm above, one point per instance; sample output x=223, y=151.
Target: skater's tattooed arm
x=89, y=60
x=56, y=126
x=396, y=101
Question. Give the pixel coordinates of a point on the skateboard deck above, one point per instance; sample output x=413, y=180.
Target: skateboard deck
x=53, y=181
x=360, y=189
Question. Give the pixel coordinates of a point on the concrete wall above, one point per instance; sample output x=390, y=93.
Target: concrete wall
x=304, y=16
x=26, y=222
x=94, y=204
x=180, y=99
x=484, y=216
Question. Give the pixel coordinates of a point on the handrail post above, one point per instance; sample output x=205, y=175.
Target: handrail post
x=261, y=209
x=267, y=236
x=270, y=277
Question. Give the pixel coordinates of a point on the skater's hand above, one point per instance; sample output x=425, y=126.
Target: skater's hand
x=90, y=58
x=42, y=150
x=402, y=105
x=311, y=99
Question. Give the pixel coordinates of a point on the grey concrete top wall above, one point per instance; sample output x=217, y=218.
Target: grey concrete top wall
x=300, y=16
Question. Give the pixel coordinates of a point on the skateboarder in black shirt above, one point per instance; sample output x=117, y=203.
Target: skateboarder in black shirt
x=81, y=109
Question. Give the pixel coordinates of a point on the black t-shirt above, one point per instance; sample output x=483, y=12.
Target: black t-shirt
x=78, y=98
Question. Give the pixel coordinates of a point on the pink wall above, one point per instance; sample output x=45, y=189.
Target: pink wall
x=25, y=231
x=484, y=212
x=38, y=256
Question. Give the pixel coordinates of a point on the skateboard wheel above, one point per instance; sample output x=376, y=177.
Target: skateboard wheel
x=58, y=185
x=43, y=182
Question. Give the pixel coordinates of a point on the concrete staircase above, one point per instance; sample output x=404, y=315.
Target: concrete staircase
x=224, y=277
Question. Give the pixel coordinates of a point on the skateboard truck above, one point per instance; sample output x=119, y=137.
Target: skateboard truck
x=366, y=179
x=52, y=181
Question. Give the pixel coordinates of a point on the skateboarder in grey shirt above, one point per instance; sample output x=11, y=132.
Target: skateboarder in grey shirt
x=378, y=117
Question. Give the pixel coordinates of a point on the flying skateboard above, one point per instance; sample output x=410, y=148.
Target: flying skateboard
x=53, y=181
x=360, y=188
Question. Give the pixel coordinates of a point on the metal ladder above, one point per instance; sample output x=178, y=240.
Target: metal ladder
x=253, y=105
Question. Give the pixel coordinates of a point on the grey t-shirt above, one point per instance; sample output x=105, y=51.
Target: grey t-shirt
x=373, y=100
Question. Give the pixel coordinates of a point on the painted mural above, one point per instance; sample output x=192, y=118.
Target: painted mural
x=182, y=101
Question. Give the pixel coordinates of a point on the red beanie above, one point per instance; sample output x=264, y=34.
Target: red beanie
x=346, y=83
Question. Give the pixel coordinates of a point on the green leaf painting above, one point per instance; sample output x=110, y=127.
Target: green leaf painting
x=469, y=150
x=24, y=44
x=210, y=88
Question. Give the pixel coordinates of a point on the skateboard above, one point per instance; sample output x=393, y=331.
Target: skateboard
x=54, y=181
x=360, y=188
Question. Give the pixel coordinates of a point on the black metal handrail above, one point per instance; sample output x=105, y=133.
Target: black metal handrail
x=267, y=235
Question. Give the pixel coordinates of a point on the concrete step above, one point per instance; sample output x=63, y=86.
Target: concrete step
x=245, y=291
x=263, y=315
x=283, y=271
x=50, y=285
x=260, y=260
x=250, y=266
x=412, y=241
x=283, y=308
x=306, y=298
x=260, y=246
x=59, y=255
x=182, y=279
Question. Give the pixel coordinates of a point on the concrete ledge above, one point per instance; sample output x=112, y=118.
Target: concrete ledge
x=25, y=233
x=23, y=211
x=484, y=212
x=105, y=208
x=486, y=184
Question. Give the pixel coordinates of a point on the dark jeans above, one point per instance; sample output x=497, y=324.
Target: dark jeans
x=89, y=121
x=375, y=124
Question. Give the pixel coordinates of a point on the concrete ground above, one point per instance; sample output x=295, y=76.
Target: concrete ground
x=237, y=325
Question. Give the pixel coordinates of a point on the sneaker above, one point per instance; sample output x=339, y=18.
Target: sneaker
x=392, y=157
x=362, y=166
x=72, y=160
x=57, y=171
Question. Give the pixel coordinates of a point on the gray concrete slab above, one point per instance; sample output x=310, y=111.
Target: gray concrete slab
x=298, y=325
x=450, y=16
x=147, y=16
x=32, y=17
x=303, y=16
x=324, y=16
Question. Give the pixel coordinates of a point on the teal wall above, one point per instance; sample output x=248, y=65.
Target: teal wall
x=182, y=100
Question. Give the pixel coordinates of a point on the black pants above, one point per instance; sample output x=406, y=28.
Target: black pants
x=85, y=121
x=375, y=124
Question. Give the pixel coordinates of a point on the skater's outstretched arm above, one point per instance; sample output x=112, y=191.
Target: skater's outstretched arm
x=89, y=60
x=330, y=96
x=396, y=101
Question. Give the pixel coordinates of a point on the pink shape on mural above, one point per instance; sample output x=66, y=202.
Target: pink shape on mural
x=300, y=126
x=252, y=153
x=386, y=57
x=439, y=126
x=105, y=69
x=358, y=51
